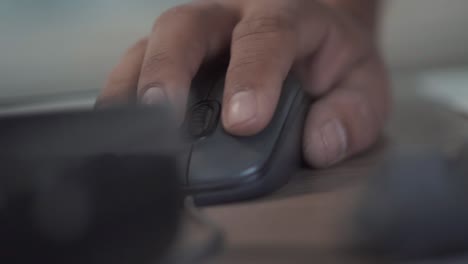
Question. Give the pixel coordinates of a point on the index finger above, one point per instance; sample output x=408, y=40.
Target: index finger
x=182, y=39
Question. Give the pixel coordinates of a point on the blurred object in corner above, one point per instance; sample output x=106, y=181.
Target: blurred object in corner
x=415, y=209
x=88, y=187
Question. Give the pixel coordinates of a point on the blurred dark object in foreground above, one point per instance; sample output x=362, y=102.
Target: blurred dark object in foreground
x=416, y=210
x=88, y=187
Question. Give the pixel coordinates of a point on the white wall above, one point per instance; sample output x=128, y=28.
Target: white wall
x=425, y=33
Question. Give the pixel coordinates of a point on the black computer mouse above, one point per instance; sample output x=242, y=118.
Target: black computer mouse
x=224, y=168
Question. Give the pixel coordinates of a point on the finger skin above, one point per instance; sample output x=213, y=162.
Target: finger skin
x=350, y=118
x=343, y=47
x=121, y=84
x=182, y=38
x=262, y=53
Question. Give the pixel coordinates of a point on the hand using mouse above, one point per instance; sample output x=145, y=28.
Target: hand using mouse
x=330, y=44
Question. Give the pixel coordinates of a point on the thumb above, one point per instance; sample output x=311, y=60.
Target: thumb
x=348, y=120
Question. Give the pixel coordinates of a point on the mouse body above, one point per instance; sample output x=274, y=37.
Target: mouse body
x=86, y=187
x=225, y=168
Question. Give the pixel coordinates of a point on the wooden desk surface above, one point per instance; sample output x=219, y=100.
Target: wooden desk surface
x=307, y=221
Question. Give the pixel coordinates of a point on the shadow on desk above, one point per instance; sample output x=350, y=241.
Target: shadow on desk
x=351, y=172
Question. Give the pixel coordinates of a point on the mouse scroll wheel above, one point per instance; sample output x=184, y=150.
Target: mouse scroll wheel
x=203, y=118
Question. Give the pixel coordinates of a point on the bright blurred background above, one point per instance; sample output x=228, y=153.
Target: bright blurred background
x=57, y=53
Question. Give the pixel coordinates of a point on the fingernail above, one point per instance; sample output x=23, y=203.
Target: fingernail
x=154, y=96
x=332, y=141
x=242, y=107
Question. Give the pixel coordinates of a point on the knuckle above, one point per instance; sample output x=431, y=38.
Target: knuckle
x=155, y=62
x=262, y=27
x=245, y=60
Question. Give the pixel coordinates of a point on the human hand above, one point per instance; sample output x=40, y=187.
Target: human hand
x=333, y=54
